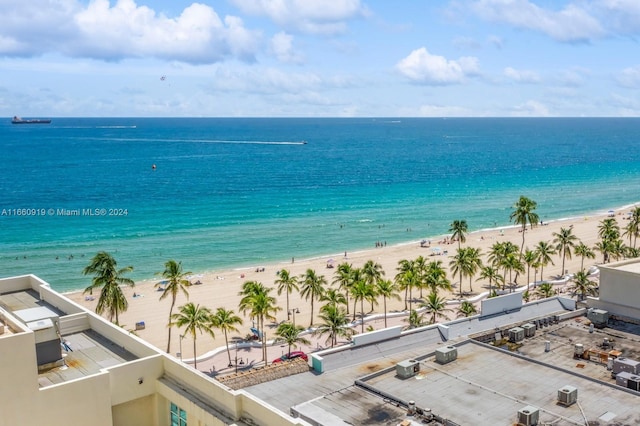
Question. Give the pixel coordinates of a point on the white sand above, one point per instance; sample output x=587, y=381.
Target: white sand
x=220, y=288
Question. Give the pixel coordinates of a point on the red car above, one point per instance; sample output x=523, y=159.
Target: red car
x=292, y=355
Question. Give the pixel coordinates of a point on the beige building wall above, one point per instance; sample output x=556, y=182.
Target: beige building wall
x=619, y=289
x=135, y=393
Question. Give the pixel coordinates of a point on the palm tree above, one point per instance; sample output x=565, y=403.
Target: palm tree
x=174, y=281
x=386, y=289
x=333, y=297
x=108, y=279
x=312, y=288
x=465, y=263
x=545, y=290
x=343, y=279
x=436, y=305
x=474, y=263
x=633, y=227
x=435, y=277
x=584, y=251
x=260, y=305
x=193, y=318
x=565, y=241
x=406, y=279
x=226, y=320
x=606, y=248
x=492, y=274
x=530, y=259
x=583, y=285
x=290, y=334
x=415, y=319
x=544, y=252
x=608, y=229
x=334, y=323
x=523, y=214
x=459, y=230
x=511, y=264
x=372, y=272
x=361, y=291
x=499, y=252
x=466, y=309
x=287, y=283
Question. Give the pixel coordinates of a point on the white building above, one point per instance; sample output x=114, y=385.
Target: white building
x=64, y=365
x=619, y=289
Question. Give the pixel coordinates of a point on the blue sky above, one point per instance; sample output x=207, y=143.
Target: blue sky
x=319, y=58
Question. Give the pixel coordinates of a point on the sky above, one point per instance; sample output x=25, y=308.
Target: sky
x=320, y=58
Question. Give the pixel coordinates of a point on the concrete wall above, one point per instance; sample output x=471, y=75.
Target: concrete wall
x=139, y=412
x=84, y=401
x=136, y=393
x=618, y=286
x=501, y=304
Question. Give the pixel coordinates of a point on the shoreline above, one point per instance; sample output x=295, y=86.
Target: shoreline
x=339, y=255
x=220, y=288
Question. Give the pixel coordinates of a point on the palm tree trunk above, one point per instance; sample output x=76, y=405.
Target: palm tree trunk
x=173, y=301
x=226, y=341
x=362, y=315
x=384, y=301
x=355, y=300
x=406, y=291
x=195, y=357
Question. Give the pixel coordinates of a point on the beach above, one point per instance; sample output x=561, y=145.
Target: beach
x=221, y=288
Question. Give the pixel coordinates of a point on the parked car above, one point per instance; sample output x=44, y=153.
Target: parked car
x=292, y=355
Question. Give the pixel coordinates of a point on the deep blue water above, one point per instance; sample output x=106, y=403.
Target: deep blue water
x=241, y=192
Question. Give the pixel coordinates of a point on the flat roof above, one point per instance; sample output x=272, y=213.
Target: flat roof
x=89, y=351
x=484, y=385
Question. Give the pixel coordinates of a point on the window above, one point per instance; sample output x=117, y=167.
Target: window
x=178, y=416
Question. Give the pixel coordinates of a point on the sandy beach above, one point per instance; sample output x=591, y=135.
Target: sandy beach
x=220, y=288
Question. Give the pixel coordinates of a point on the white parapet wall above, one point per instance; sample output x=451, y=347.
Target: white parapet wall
x=376, y=336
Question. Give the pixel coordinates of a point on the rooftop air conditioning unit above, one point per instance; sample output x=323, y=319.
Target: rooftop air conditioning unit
x=446, y=354
x=407, y=368
x=567, y=395
x=528, y=416
x=516, y=334
x=529, y=330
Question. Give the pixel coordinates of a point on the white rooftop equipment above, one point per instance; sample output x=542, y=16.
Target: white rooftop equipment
x=528, y=416
x=516, y=334
x=568, y=395
x=446, y=354
x=407, y=368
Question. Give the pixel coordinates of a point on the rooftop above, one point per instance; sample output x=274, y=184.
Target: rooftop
x=88, y=352
x=484, y=385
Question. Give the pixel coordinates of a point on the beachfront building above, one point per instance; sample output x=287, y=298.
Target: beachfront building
x=64, y=365
x=619, y=292
x=514, y=362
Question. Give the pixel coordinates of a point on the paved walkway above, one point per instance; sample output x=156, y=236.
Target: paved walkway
x=249, y=354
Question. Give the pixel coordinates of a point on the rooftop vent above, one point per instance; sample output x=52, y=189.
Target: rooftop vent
x=567, y=395
x=528, y=416
x=407, y=368
x=446, y=354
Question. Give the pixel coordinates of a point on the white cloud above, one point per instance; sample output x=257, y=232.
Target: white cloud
x=423, y=67
x=443, y=111
x=629, y=77
x=521, y=76
x=620, y=15
x=530, y=109
x=282, y=47
x=124, y=30
x=308, y=16
x=571, y=24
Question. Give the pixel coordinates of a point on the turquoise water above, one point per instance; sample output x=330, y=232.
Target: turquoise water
x=230, y=193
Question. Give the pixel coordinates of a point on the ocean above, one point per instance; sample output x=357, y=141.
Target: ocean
x=238, y=193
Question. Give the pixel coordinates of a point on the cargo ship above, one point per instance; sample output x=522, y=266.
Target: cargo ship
x=18, y=120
